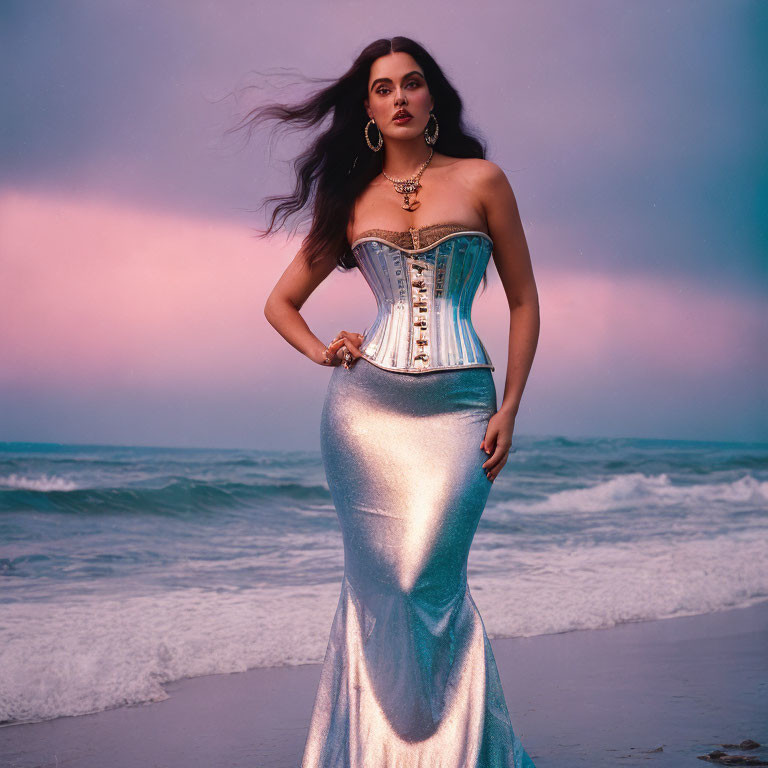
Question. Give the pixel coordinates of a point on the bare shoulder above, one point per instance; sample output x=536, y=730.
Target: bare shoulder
x=486, y=175
x=494, y=192
x=470, y=169
x=488, y=183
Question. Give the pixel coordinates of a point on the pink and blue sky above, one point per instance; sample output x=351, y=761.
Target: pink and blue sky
x=132, y=285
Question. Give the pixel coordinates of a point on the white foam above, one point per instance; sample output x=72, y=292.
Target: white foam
x=634, y=489
x=81, y=655
x=40, y=483
x=84, y=655
x=568, y=588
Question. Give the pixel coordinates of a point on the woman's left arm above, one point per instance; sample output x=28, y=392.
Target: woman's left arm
x=513, y=262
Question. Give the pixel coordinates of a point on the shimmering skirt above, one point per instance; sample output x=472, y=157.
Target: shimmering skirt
x=409, y=679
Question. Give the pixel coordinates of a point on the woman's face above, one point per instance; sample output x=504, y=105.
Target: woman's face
x=397, y=82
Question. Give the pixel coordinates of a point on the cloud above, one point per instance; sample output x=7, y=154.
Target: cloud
x=123, y=301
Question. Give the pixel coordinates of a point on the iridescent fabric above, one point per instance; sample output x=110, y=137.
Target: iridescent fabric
x=409, y=679
x=424, y=296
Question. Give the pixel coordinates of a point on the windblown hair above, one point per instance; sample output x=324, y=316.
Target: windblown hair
x=338, y=165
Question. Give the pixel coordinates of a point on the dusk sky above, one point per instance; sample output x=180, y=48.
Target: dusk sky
x=132, y=284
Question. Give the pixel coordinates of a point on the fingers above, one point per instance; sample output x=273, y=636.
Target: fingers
x=495, y=463
x=488, y=443
x=340, y=347
x=350, y=341
x=498, y=450
x=353, y=348
x=335, y=346
x=330, y=353
x=493, y=473
x=501, y=450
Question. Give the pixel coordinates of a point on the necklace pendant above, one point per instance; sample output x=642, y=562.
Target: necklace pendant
x=407, y=186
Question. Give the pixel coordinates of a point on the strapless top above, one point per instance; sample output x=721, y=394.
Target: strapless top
x=424, y=295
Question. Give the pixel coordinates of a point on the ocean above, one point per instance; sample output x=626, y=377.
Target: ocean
x=123, y=568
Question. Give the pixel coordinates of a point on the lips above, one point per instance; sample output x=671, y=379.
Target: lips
x=401, y=114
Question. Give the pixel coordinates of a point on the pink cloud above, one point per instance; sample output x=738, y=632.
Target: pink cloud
x=627, y=322
x=98, y=295
x=96, y=292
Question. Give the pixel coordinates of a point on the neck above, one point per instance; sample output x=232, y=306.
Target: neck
x=402, y=159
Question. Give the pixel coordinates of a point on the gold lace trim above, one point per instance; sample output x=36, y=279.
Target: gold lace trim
x=416, y=237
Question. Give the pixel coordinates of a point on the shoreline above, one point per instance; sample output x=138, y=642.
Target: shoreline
x=578, y=698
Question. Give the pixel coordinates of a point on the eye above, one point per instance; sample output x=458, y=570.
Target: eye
x=383, y=89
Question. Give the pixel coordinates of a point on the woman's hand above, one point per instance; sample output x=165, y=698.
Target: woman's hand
x=344, y=342
x=497, y=442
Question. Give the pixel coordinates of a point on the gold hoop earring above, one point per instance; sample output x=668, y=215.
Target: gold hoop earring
x=433, y=138
x=368, y=141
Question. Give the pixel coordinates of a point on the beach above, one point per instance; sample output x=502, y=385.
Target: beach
x=167, y=606
x=594, y=698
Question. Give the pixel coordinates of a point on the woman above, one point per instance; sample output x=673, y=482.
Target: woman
x=411, y=436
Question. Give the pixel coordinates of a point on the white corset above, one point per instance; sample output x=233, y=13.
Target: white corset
x=424, y=298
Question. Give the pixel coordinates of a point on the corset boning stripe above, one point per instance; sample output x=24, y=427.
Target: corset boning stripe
x=424, y=302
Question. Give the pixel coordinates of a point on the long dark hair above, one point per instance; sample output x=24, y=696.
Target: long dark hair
x=338, y=165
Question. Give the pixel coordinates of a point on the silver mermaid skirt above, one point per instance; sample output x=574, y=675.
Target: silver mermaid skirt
x=409, y=679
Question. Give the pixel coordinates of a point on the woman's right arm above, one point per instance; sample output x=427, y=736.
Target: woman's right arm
x=282, y=307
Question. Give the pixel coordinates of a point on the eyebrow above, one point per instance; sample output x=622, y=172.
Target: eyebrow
x=389, y=80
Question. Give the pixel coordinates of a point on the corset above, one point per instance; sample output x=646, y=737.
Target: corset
x=424, y=281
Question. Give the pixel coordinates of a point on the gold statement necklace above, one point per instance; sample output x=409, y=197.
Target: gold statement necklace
x=411, y=186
